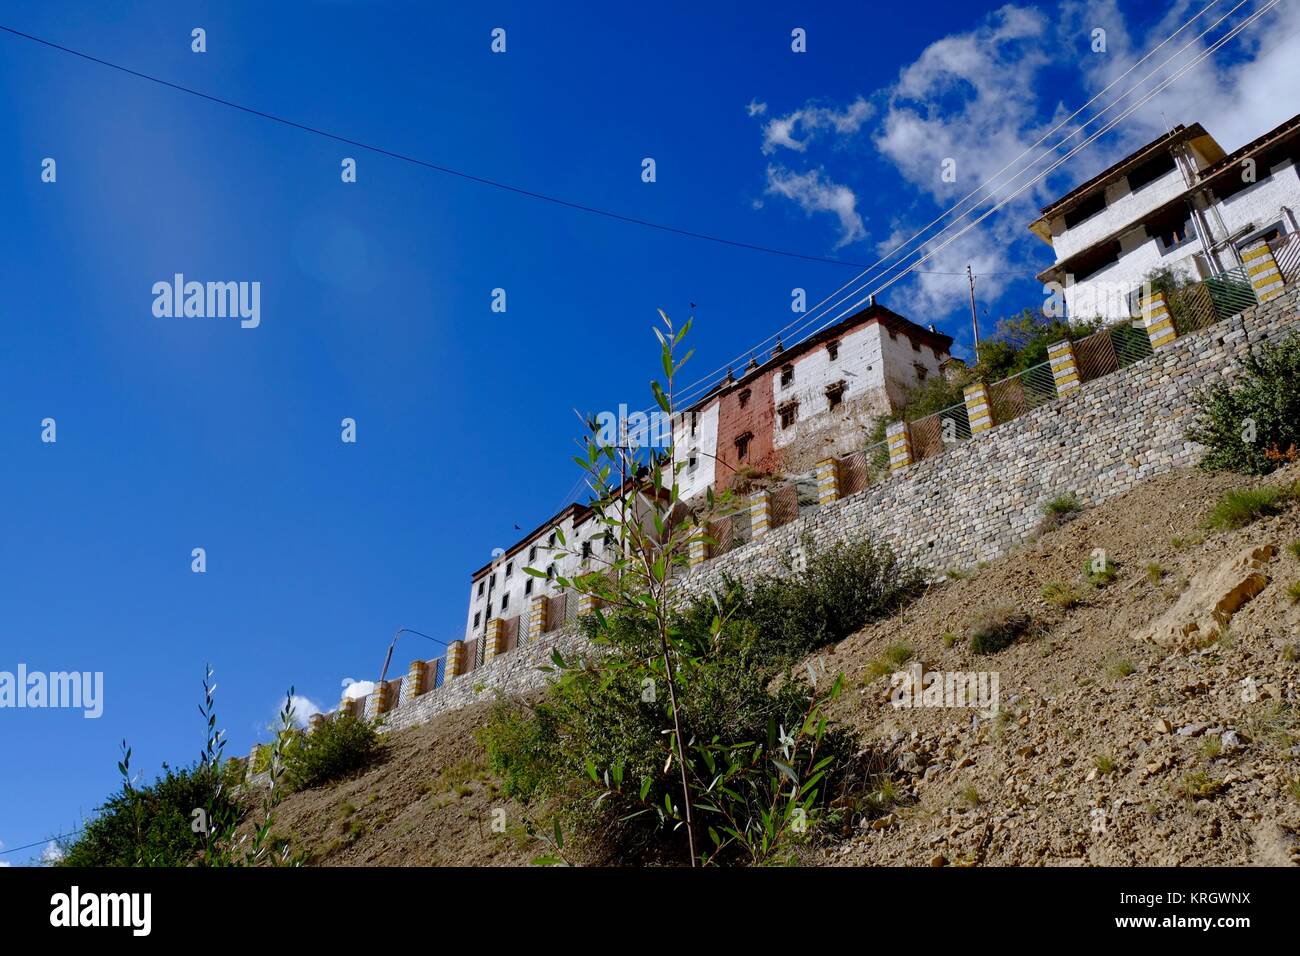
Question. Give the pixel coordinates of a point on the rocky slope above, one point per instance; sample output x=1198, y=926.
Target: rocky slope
x=1154, y=722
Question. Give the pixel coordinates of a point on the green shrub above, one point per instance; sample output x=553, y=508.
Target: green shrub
x=1293, y=592
x=337, y=748
x=1264, y=394
x=1061, y=505
x=1060, y=595
x=894, y=657
x=1099, y=571
x=1236, y=509
x=152, y=825
x=595, y=745
x=840, y=590
x=996, y=629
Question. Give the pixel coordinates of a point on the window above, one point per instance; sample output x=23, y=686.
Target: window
x=1150, y=170
x=550, y=572
x=480, y=589
x=505, y=600
x=833, y=350
x=1089, y=207
x=528, y=586
x=692, y=464
x=550, y=542
x=788, y=412
x=694, y=421
x=742, y=446
x=510, y=566
x=744, y=397
x=1171, y=236
x=532, y=553
x=834, y=395
x=916, y=346
x=1095, y=260
x=586, y=549
x=607, y=539
x=893, y=336
x=787, y=375
x=477, y=614
x=921, y=371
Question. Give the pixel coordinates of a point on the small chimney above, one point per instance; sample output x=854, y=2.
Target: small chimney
x=931, y=327
x=730, y=378
x=753, y=364
x=872, y=300
x=778, y=350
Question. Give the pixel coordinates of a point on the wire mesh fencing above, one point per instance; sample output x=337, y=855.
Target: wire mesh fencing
x=1286, y=253
x=730, y=532
x=783, y=506
x=1021, y=393
x=931, y=434
x=860, y=469
x=1201, y=304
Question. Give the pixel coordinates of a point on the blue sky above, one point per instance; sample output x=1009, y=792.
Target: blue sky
x=375, y=296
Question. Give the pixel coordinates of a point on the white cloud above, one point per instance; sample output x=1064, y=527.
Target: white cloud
x=304, y=708
x=1242, y=90
x=51, y=854
x=974, y=97
x=967, y=98
x=755, y=108
x=814, y=192
x=354, y=689
x=810, y=121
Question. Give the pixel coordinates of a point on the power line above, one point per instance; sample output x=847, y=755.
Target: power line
x=803, y=322
x=437, y=167
x=1145, y=99
x=61, y=836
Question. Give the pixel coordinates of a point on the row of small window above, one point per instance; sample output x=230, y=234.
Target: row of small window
x=1141, y=175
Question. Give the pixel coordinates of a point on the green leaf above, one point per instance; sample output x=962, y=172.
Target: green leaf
x=788, y=771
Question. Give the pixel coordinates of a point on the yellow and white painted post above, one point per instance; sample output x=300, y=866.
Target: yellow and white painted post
x=1065, y=370
x=1265, y=277
x=537, y=616
x=900, y=446
x=699, y=547
x=978, y=410
x=495, y=639
x=1157, y=320
x=377, y=700
x=455, y=665
x=760, y=506
x=416, y=682
x=828, y=481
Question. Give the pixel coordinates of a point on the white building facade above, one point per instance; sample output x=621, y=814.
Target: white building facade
x=1180, y=204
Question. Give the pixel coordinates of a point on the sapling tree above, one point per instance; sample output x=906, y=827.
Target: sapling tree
x=647, y=533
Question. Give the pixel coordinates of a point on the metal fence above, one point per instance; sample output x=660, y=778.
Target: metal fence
x=1286, y=252
x=1200, y=304
x=1022, y=392
x=860, y=469
x=729, y=533
x=931, y=433
x=783, y=506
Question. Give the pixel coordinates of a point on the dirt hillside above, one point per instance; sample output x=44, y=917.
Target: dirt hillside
x=1116, y=741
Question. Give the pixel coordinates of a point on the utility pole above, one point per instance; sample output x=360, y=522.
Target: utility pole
x=974, y=320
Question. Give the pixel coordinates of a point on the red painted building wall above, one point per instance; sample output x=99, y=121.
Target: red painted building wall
x=757, y=417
